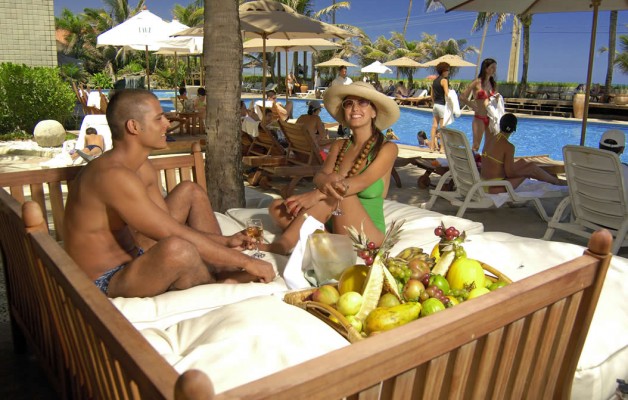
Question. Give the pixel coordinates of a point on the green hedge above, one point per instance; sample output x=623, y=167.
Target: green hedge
x=31, y=94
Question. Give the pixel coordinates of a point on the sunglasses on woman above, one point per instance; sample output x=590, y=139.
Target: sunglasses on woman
x=348, y=104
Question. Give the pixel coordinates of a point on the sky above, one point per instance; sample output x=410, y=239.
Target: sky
x=559, y=42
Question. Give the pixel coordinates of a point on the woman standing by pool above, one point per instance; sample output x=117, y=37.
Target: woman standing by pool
x=354, y=180
x=440, y=91
x=483, y=88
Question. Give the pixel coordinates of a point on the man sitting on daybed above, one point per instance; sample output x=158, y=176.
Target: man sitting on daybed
x=128, y=238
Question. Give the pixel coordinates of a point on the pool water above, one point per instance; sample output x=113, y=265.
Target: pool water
x=533, y=136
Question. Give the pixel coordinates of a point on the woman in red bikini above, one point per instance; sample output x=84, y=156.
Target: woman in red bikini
x=483, y=88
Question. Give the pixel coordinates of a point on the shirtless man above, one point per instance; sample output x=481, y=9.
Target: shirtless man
x=115, y=208
x=498, y=160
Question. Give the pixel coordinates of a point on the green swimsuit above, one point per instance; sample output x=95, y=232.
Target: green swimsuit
x=372, y=199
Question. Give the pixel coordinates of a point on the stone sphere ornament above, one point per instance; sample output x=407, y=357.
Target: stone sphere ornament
x=49, y=133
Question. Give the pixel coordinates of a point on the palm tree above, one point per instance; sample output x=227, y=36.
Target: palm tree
x=431, y=49
x=190, y=15
x=222, y=48
x=405, y=25
x=405, y=48
x=612, y=40
x=621, y=60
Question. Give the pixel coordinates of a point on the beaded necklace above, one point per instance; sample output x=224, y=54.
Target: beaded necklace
x=357, y=163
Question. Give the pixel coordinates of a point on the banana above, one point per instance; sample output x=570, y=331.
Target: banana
x=409, y=252
x=443, y=264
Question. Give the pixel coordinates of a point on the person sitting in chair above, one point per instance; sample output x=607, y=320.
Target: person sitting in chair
x=313, y=123
x=279, y=110
x=498, y=160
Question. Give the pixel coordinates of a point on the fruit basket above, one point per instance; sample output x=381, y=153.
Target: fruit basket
x=324, y=312
x=338, y=322
x=390, y=291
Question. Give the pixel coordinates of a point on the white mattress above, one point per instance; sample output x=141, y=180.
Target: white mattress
x=215, y=327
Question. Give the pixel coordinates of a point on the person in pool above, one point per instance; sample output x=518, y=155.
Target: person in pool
x=483, y=87
x=498, y=160
x=355, y=176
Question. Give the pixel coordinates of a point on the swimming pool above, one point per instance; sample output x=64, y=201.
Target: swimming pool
x=534, y=136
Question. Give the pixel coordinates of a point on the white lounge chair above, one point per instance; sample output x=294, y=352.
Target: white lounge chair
x=597, y=195
x=469, y=191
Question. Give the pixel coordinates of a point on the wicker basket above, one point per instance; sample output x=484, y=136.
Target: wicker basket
x=331, y=316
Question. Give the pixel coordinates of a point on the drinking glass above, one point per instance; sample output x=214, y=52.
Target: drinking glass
x=255, y=230
x=338, y=211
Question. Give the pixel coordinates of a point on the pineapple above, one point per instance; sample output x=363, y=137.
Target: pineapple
x=379, y=277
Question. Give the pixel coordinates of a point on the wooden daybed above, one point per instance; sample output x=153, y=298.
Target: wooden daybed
x=522, y=341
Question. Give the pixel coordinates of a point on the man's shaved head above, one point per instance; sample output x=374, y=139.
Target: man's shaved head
x=125, y=105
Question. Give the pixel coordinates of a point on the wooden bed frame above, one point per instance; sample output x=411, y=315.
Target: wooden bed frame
x=522, y=341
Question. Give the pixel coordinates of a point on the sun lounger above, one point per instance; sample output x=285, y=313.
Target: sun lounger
x=469, y=187
x=597, y=195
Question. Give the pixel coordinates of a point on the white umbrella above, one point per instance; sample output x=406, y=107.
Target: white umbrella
x=376, y=68
x=545, y=6
x=143, y=29
x=275, y=45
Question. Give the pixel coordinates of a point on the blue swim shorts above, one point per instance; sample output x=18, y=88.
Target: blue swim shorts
x=102, y=282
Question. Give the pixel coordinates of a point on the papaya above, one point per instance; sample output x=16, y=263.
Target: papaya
x=383, y=319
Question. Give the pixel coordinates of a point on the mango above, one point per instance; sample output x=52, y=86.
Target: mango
x=383, y=319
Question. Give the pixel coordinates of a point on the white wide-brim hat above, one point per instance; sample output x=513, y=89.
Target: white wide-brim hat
x=387, y=109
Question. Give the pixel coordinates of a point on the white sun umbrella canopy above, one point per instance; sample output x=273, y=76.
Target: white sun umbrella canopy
x=143, y=29
x=546, y=6
x=376, y=68
x=257, y=45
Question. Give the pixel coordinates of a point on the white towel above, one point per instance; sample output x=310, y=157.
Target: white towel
x=495, y=110
x=531, y=188
x=250, y=126
x=293, y=274
x=452, y=108
x=93, y=99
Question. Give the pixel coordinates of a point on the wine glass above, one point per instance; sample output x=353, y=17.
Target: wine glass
x=338, y=211
x=255, y=230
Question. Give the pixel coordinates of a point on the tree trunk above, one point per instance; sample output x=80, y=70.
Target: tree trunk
x=526, y=21
x=612, y=38
x=222, y=48
x=405, y=25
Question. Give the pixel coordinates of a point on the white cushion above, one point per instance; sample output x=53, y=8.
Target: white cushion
x=171, y=307
x=245, y=341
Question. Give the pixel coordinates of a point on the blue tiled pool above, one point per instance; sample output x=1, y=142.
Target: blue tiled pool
x=533, y=137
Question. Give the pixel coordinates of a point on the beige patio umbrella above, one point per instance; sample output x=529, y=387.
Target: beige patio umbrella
x=451, y=59
x=520, y=7
x=404, y=62
x=276, y=45
x=335, y=62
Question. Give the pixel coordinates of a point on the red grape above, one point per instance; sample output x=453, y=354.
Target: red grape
x=438, y=231
x=368, y=260
x=371, y=245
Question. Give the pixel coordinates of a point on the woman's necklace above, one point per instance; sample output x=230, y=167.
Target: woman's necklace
x=357, y=163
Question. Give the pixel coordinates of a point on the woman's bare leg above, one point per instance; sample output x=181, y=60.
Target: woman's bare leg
x=478, y=133
x=433, y=140
x=532, y=170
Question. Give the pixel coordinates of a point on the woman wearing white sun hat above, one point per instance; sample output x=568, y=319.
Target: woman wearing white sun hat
x=354, y=180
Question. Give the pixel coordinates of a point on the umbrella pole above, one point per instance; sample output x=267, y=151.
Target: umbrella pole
x=176, y=80
x=147, y=68
x=585, y=114
x=263, y=73
x=286, y=77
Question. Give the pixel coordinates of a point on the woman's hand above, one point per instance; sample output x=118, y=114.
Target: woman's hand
x=240, y=241
x=328, y=185
x=295, y=204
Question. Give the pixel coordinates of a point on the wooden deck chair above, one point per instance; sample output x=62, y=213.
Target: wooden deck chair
x=265, y=144
x=469, y=191
x=304, y=159
x=598, y=196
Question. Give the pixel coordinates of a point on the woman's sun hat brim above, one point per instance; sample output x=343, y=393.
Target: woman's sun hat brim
x=387, y=108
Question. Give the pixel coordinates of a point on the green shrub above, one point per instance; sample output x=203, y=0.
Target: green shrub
x=101, y=80
x=31, y=94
